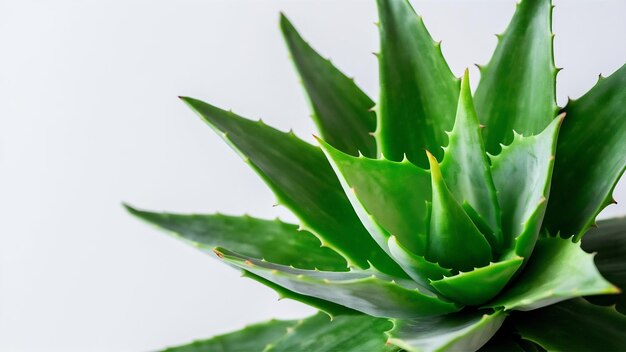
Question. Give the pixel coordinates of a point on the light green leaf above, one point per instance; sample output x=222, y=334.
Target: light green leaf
x=517, y=89
x=454, y=332
x=357, y=333
x=608, y=240
x=273, y=240
x=466, y=170
x=342, y=112
x=419, y=268
x=303, y=181
x=558, y=270
x=367, y=291
x=453, y=241
x=591, y=157
x=522, y=173
x=418, y=92
x=479, y=285
x=575, y=325
x=252, y=338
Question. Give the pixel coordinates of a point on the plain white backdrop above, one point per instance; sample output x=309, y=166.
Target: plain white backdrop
x=89, y=118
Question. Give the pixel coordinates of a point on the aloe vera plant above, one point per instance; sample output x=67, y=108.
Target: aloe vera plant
x=435, y=219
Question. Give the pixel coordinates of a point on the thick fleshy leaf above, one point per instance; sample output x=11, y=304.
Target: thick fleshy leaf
x=453, y=241
x=416, y=266
x=558, y=270
x=250, y=339
x=355, y=333
x=454, y=332
x=303, y=181
x=389, y=197
x=479, y=285
x=517, y=89
x=522, y=173
x=466, y=170
x=418, y=92
x=575, y=325
x=273, y=240
x=367, y=291
x=608, y=240
x=590, y=158
x=343, y=112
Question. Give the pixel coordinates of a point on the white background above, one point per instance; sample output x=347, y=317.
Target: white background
x=89, y=118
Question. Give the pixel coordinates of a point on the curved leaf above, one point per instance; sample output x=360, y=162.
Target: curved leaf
x=608, y=240
x=575, y=325
x=273, y=240
x=479, y=285
x=517, y=89
x=418, y=92
x=367, y=291
x=303, y=181
x=522, y=173
x=453, y=241
x=348, y=333
x=558, y=270
x=251, y=338
x=453, y=332
x=342, y=112
x=417, y=267
x=465, y=167
x=591, y=157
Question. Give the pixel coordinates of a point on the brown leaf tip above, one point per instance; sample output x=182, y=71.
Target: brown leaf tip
x=218, y=254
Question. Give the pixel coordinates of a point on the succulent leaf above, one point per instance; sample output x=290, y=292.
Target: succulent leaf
x=591, y=157
x=558, y=270
x=479, y=285
x=522, y=173
x=343, y=112
x=608, y=240
x=303, y=181
x=453, y=332
x=453, y=241
x=251, y=338
x=347, y=334
x=418, y=92
x=272, y=240
x=416, y=266
x=465, y=167
x=367, y=291
x=574, y=325
x=517, y=89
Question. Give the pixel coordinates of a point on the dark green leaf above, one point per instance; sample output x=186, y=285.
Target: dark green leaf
x=558, y=270
x=609, y=242
x=303, y=181
x=590, y=158
x=453, y=332
x=517, y=89
x=418, y=92
x=575, y=325
x=273, y=240
x=342, y=112
x=357, y=333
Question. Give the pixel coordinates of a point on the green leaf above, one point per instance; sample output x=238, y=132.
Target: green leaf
x=367, y=291
x=522, y=173
x=558, y=270
x=251, y=338
x=608, y=240
x=575, y=325
x=454, y=241
x=419, y=268
x=466, y=170
x=455, y=332
x=303, y=181
x=273, y=240
x=342, y=112
x=418, y=92
x=590, y=157
x=517, y=89
x=348, y=333
x=479, y=285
